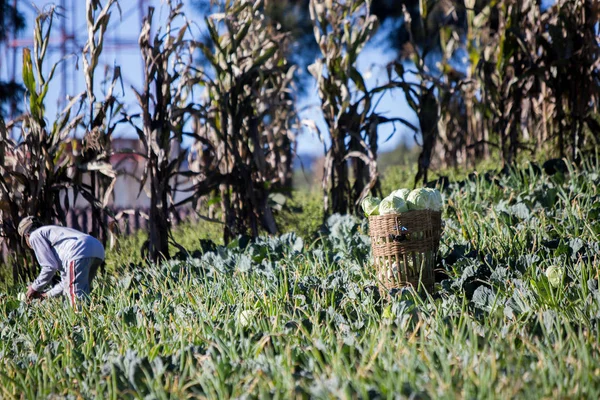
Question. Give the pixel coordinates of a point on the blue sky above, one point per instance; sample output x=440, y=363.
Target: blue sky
x=126, y=29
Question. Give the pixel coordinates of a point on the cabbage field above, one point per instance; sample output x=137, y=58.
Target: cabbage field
x=516, y=313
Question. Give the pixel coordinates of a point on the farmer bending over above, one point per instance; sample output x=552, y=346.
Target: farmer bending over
x=76, y=255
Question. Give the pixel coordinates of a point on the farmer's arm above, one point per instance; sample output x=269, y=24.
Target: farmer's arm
x=46, y=259
x=58, y=289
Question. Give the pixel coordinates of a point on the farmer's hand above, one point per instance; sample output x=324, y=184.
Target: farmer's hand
x=31, y=293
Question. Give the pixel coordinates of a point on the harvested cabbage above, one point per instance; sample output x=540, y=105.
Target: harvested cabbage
x=370, y=206
x=418, y=199
x=392, y=205
x=424, y=199
x=435, y=199
x=402, y=193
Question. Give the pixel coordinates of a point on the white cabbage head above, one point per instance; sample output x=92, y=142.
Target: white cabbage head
x=435, y=200
x=392, y=205
x=425, y=199
x=370, y=206
x=402, y=193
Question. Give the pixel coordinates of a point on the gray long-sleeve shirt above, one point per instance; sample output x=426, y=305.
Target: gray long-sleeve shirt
x=56, y=246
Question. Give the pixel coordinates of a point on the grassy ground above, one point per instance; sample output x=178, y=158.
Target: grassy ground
x=515, y=314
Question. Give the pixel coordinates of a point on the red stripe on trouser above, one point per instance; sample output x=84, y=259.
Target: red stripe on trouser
x=72, y=283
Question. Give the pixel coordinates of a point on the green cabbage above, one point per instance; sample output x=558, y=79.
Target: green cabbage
x=245, y=317
x=392, y=205
x=425, y=199
x=418, y=199
x=402, y=193
x=435, y=200
x=555, y=275
x=370, y=206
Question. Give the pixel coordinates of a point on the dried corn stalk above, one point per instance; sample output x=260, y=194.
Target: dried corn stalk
x=247, y=125
x=342, y=29
x=37, y=169
x=99, y=122
x=166, y=104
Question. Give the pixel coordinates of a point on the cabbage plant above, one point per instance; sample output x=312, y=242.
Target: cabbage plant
x=555, y=275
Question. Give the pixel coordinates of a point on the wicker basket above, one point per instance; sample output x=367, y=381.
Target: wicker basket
x=404, y=247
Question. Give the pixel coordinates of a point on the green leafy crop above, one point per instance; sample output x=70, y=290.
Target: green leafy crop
x=286, y=317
